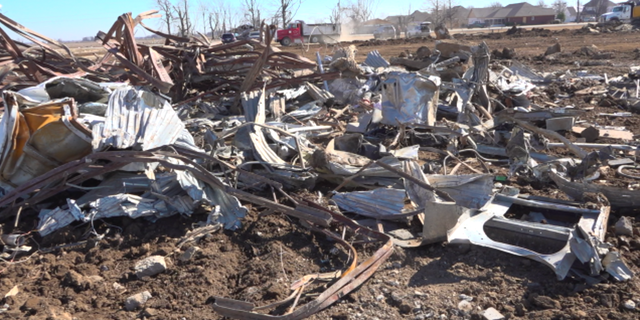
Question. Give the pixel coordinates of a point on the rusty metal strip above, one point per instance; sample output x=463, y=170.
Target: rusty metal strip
x=33, y=36
x=156, y=63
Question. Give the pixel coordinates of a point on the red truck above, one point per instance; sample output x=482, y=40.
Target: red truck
x=314, y=33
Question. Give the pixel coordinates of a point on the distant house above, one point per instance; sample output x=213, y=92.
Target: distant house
x=595, y=8
x=517, y=13
x=570, y=14
x=457, y=17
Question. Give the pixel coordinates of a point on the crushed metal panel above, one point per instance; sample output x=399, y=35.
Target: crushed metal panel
x=231, y=210
x=417, y=194
x=381, y=203
x=375, y=60
x=439, y=215
x=468, y=190
x=39, y=139
x=470, y=229
x=253, y=104
x=372, y=171
x=52, y=220
x=439, y=218
x=137, y=118
x=409, y=98
x=125, y=205
x=410, y=152
x=473, y=229
x=519, y=69
x=616, y=267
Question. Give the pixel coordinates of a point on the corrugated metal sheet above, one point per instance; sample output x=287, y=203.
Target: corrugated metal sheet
x=253, y=104
x=372, y=171
x=408, y=97
x=121, y=205
x=52, y=220
x=375, y=60
x=379, y=203
x=137, y=118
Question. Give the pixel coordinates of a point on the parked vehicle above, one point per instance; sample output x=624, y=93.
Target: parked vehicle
x=254, y=35
x=423, y=29
x=624, y=12
x=385, y=32
x=228, y=38
x=314, y=33
x=476, y=24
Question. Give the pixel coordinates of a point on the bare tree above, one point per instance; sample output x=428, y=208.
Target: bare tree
x=204, y=10
x=601, y=7
x=361, y=10
x=404, y=21
x=450, y=12
x=542, y=4
x=166, y=8
x=336, y=14
x=214, y=17
x=185, y=24
x=495, y=5
x=559, y=6
x=437, y=8
x=252, y=12
x=287, y=10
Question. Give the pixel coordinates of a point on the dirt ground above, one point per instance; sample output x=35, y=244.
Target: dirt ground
x=259, y=262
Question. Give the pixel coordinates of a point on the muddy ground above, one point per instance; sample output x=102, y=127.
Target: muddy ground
x=258, y=262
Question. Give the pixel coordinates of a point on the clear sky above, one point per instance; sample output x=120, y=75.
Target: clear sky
x=75, y=19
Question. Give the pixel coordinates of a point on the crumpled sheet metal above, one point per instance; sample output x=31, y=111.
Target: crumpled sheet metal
x=381, y=203
x=58, y=218
x=468, y=190
x=375, y=60
x=253, y=104
x=439, y=215
x=230, y=206
x=471, y=228
x=616, y=267
x=137, y=118
x=346, y=281
x=409, y=98
x=39, y=138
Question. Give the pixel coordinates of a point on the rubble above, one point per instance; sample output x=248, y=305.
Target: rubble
x=624, y=227
x=492, y=314
x=150, y=266
x=137, y=300
x=443, y=144
x=553, y=49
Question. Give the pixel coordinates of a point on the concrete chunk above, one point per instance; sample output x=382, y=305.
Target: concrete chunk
x=492, y=314
x=449, y=49
x=624, y=227
x=150, y=266
x=137, y=300
x=560, y=123
x=189, y=254
x=553, y=49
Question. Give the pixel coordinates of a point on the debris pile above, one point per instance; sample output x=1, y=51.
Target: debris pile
x=412, y=151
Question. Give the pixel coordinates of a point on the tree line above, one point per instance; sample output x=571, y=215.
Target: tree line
x=186, y=17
